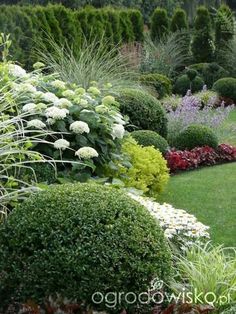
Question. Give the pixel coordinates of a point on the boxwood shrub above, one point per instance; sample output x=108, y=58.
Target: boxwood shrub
x=210, y=72
x=161, y=83
x=150, y=138
x=77, y=239
x=226, y=87
x=144, y=111
x=196, y=136
x=183, y=84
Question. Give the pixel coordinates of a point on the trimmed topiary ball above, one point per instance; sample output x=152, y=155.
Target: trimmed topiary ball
x=78, y=239
x=196, y=136
x=161, y=83
x=151, y=138
x=183, y=84
x=226, y=88
x=143, y=110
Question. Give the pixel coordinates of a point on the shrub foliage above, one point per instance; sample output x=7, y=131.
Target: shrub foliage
x=29, y=25
x=97, y=238
x=196, y=136
x=144, y=111
x=150, y=138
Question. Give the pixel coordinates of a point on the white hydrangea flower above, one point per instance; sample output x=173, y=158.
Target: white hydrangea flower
x=61, y=144
x=27, y=87
x=94, y=90
x=101, y=109
x=38, y=94
x=17, y=71
x=68, y=93
x=35, y=123
x=50, y=121
x=83, y=102
x=118, y=131
x=63, y=103
x=56, y=113
x=38, y=65
x=108, y=100
x=29, y=107
x=79, y=127
x=119, y=118
x=86, y=153
x=58, y=84
x=50, y=97
x=80, y=91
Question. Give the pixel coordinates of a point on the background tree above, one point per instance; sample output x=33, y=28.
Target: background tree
x=159, y=24
x=179, y=20
x=202, y=44
x=224, y=28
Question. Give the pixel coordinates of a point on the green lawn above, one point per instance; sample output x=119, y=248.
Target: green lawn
x=209, y=194
x=227, y=133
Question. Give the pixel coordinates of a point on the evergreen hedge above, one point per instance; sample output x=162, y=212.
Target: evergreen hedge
x=29, y=25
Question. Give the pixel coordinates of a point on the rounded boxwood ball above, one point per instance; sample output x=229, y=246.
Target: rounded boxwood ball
x=226, y=87
x=196, y=136
x=143, y=110
x=78, y=239
x=151, y=138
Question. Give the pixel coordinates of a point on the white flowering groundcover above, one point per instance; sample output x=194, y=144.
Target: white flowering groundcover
x=179, y=226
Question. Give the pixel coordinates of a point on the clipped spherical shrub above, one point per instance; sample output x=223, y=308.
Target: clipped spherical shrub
x=143, y=110
x=196, y=136
x=151, y=138
x=161, y=83
x=183, y=84
x=78, y=239
x=226, y=88
x=209, y=72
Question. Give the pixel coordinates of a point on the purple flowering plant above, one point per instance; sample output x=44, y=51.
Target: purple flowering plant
x=191, y=112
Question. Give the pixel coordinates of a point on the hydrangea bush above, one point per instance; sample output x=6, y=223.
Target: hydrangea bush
x=87, y=123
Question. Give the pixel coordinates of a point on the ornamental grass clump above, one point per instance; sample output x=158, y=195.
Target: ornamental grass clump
x=207, y=272
x=93, y=237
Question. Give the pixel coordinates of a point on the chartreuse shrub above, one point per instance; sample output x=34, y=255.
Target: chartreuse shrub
x=202, y=43
x=144, y=111
x=209, y=72
x=151, y=138
x=94, y=237
x=226, y=88
x=148, y=171
x=196, y=135
x=159, y=24
x=161, y=83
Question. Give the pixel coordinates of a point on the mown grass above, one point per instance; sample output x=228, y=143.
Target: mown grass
x=227, y=132
x=209, y=194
